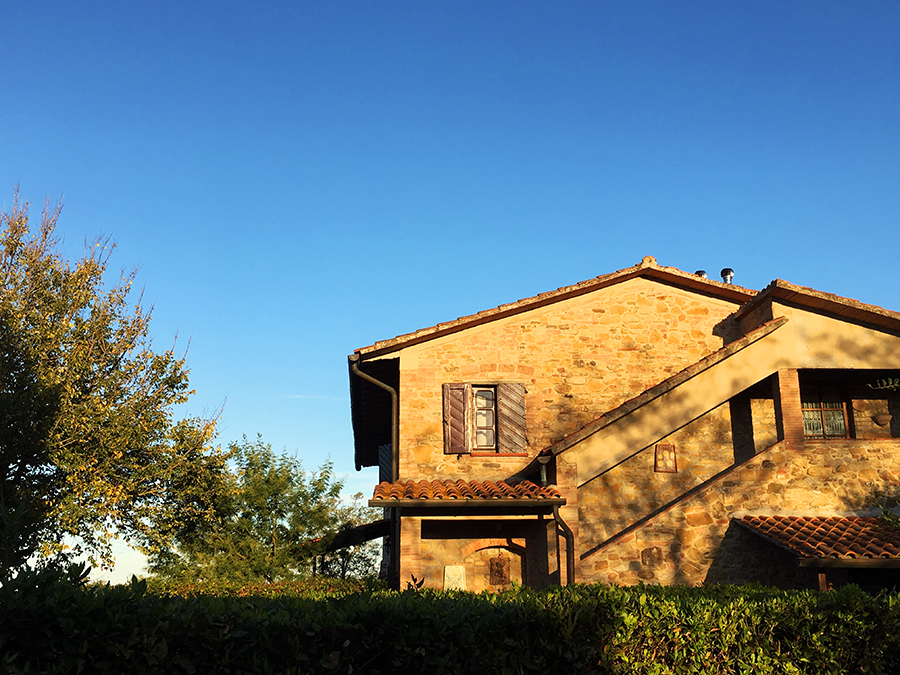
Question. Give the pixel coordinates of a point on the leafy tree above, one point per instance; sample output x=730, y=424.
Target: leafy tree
x=271, y=524
x=351, y=562
x=28, y=483
x=89, y=448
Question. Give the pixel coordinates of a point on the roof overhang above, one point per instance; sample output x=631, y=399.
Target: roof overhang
x=864, y=563
x=470, y=508
x=497, y=504
x=449, y=497
x=360, y=534
x=370, y=409
x=836, y=306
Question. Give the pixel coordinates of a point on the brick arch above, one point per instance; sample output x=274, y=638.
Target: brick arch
x=513, y=545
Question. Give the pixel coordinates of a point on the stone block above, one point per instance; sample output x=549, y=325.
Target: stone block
x=423, y=453
x=651, y=556
x=698, y=518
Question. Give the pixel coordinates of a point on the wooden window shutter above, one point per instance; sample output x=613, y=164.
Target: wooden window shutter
x=456, y=419
x=511, y=418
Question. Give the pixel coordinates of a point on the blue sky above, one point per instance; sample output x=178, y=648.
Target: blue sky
x=296, y=180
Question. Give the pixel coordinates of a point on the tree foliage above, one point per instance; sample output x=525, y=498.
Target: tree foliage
x=891, y=384
x=350, y=562
x=271, y=524
x=89, y=447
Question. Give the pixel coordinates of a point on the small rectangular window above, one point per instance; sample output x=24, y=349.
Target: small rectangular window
x=484, y=418
x=485, y=422
x=824, y=411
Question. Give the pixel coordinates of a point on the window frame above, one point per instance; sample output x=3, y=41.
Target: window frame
x=813, y=401
x=461, y=427
x=475, y=425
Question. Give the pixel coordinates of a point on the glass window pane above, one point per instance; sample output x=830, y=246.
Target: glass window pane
x=484, y=398
x=812, y=423
x=484, y=438
x=834, y=423
x=484, y=418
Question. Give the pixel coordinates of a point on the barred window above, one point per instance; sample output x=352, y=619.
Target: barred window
x=824, y=411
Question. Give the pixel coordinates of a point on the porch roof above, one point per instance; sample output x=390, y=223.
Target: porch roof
x=457, y=493
x=850, y=541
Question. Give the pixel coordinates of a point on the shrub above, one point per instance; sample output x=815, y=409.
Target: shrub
x=51, y=624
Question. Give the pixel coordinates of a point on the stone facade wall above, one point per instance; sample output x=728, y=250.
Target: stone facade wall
x=578, y=358
x=875, y=414
x=764, y=425
x=694, y=541
x=581, y=357
x=627, y=492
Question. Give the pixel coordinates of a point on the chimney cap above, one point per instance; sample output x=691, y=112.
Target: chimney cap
x=727, y=274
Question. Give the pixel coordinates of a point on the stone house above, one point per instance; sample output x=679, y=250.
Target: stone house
x=646, y=425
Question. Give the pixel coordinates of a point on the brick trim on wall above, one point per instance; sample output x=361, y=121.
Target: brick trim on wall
x=788, y=410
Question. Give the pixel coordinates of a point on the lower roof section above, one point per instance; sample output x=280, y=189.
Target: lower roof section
x=360, y=534
x=460, y=493
x=830, y=541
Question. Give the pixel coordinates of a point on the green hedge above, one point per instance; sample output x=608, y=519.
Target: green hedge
x=315, y=588
x=49, y=625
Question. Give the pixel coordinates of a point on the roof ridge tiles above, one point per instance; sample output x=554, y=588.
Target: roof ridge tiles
x=837, y=304
x=647, y=267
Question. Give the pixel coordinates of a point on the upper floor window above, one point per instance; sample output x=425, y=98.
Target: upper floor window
x=484, y=426
x=824, y=411
x=484, y=418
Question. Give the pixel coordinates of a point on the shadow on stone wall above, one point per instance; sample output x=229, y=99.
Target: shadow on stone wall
x=742, y=557
x=630, y=497
x=633, y=530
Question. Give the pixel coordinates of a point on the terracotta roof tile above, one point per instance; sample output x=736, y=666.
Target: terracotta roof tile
x=844, y=538
x=463, y=490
